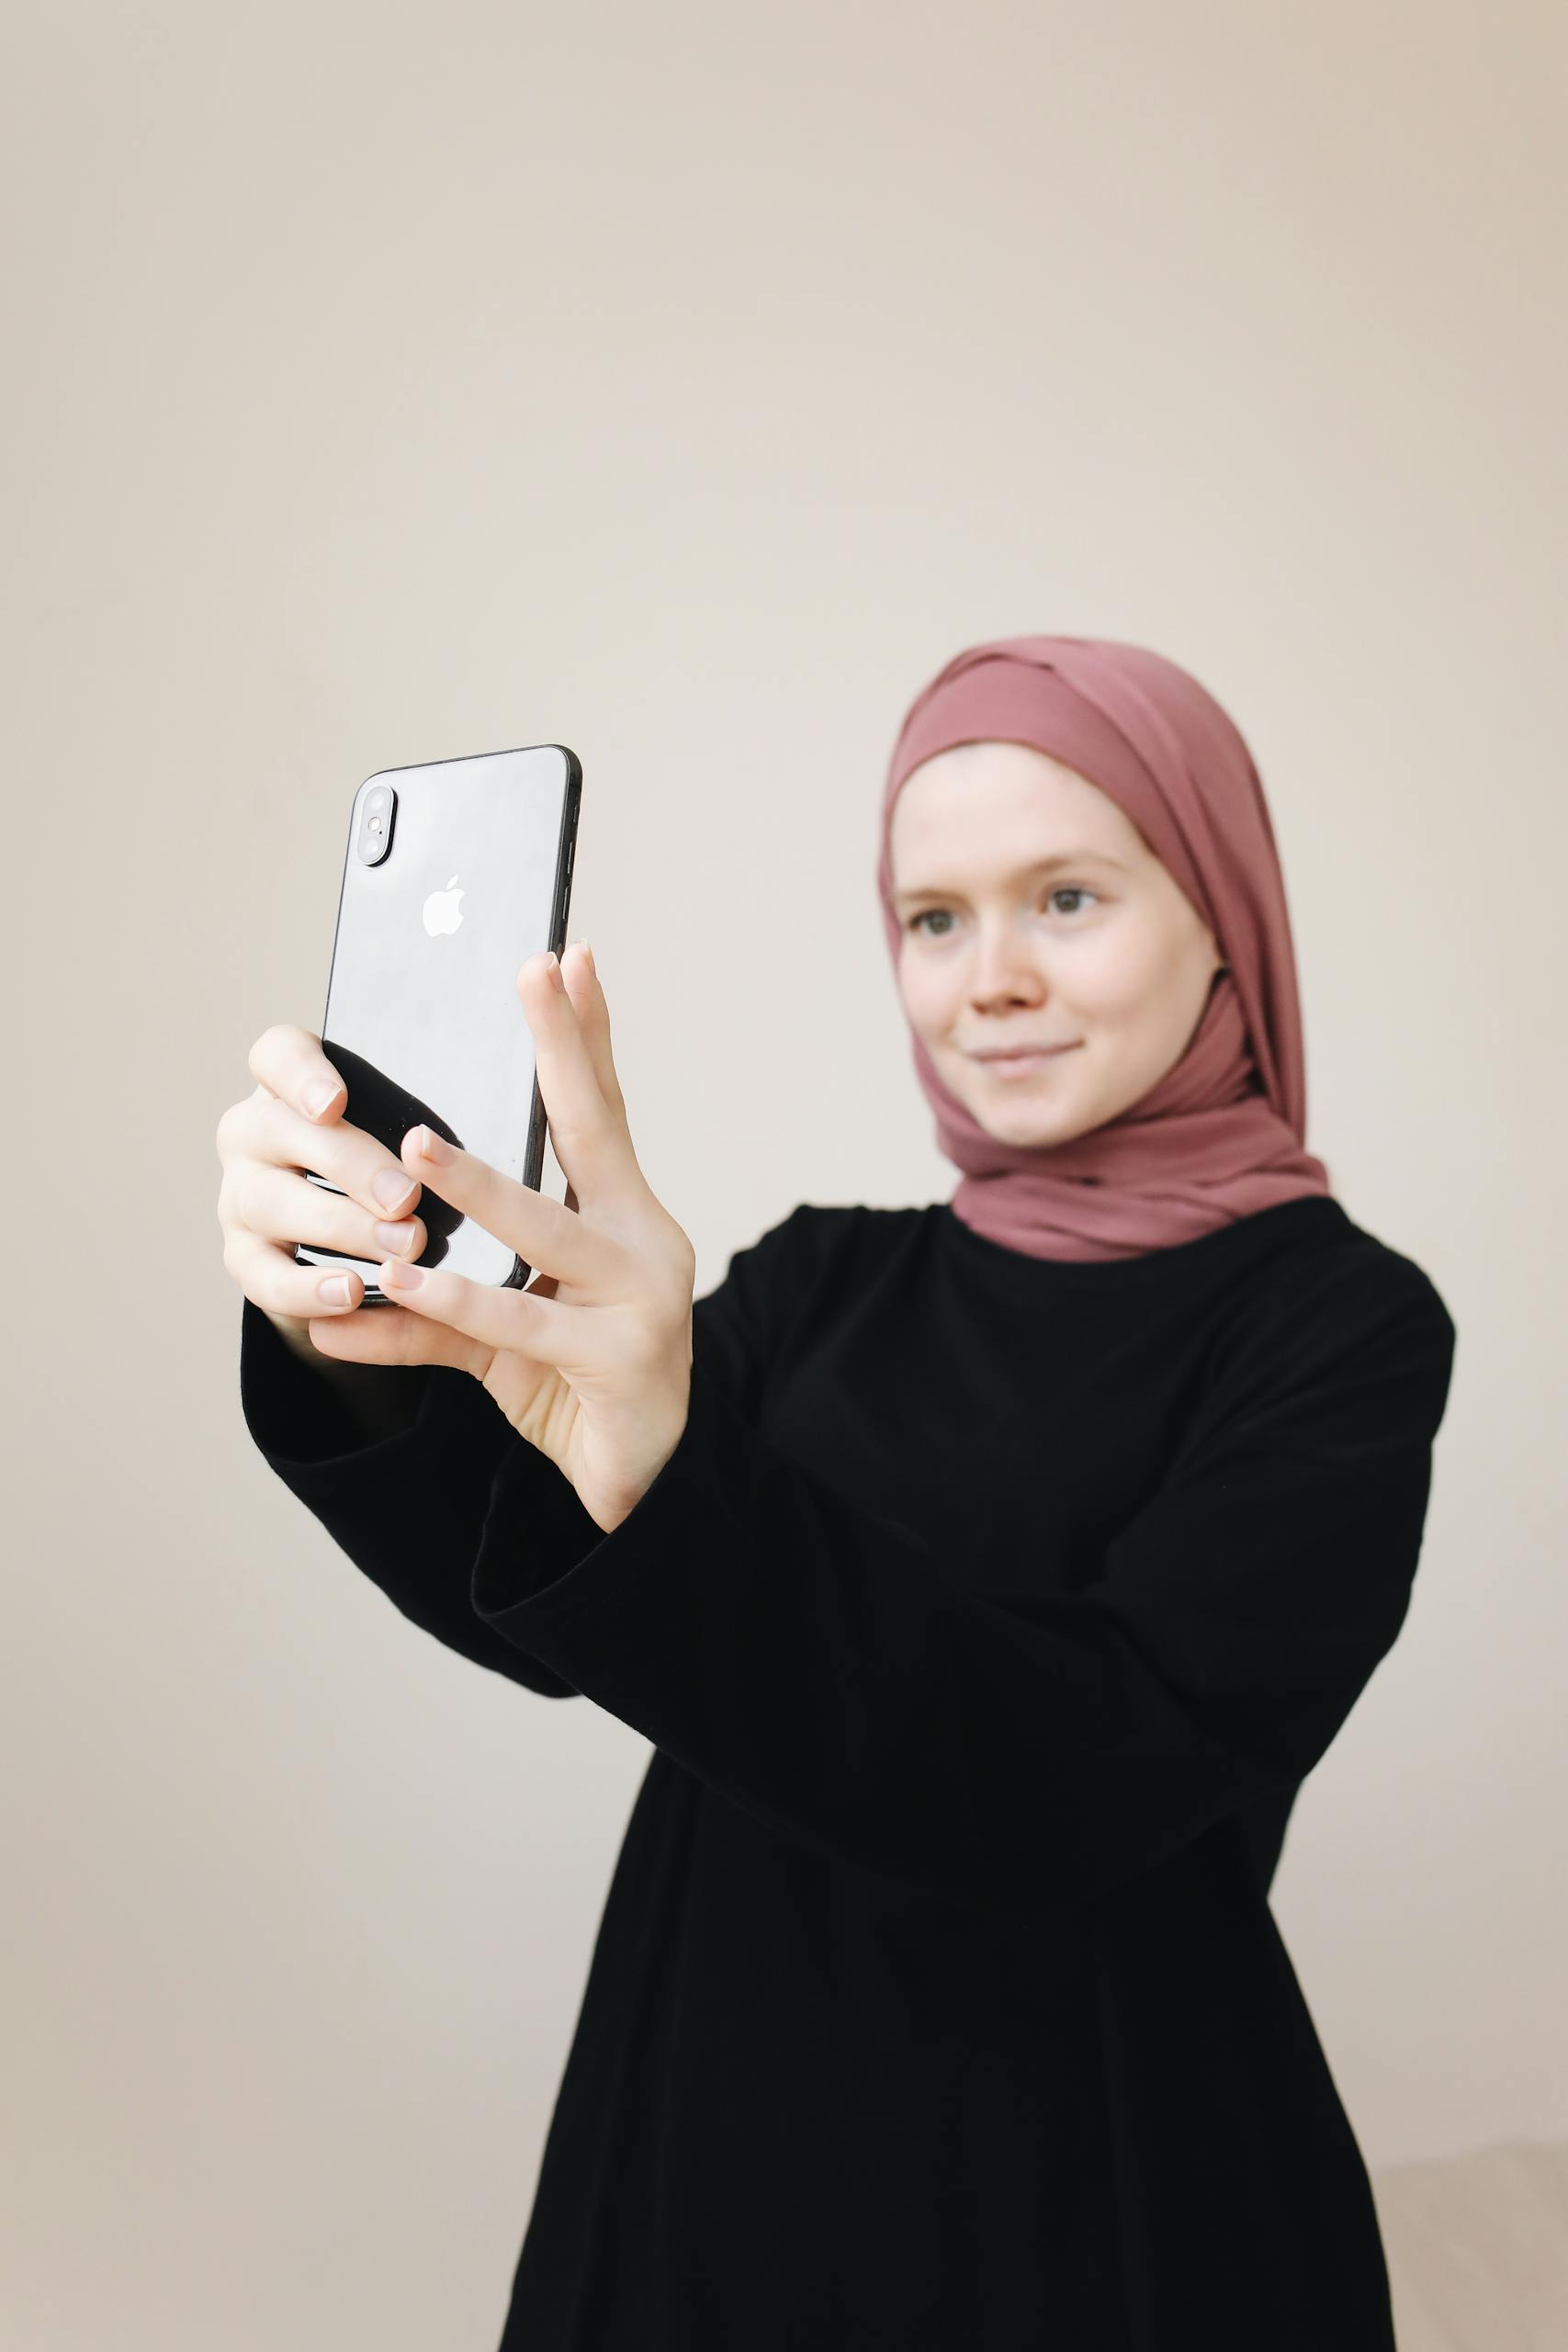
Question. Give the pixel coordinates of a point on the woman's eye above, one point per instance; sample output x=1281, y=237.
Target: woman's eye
x=1063, y=891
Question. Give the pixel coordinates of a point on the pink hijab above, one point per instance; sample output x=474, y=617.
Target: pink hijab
x=1223, y=1134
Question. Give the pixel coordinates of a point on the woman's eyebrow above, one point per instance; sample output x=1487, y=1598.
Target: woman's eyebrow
x=1038, y=866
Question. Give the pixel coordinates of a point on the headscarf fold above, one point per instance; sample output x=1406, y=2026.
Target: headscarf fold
x=1223, y=1134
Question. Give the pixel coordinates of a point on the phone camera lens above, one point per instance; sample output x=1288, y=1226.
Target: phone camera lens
x=377, y=811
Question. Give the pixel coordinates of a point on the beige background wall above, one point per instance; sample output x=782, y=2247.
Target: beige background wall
x=686, y=385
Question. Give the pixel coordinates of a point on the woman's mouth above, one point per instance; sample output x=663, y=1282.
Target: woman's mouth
x=1019, y=1065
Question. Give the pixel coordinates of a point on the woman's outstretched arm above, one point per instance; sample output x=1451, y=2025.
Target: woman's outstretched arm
x=407, y=1506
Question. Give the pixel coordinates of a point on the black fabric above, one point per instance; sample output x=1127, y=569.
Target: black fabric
x=407, y=1508
x=985, y=1622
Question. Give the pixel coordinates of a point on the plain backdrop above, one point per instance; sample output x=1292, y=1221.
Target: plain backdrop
x=686, y=385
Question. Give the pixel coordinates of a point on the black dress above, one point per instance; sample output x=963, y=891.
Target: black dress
x=984, y=1622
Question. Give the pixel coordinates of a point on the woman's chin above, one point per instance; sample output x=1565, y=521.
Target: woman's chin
x=1024, y=1124
x=1024, y=1112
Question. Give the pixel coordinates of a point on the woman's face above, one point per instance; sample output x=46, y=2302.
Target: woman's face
x=1102, y=954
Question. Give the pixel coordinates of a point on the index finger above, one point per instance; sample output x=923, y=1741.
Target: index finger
x=291, y=1063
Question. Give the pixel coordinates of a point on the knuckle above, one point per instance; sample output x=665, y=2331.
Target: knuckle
x=238, y=1187
x=278, y=1140
x=353, y=1232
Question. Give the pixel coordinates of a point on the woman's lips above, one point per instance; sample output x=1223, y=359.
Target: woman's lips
x=1019, y=1065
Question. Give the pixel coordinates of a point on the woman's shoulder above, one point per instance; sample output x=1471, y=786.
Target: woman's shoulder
x=820, y=1251
x=1343, y=1323
x=775, y=1287
x=814, y=1231
x=1352, y=1277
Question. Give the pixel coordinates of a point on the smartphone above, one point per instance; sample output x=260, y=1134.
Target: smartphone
x=456, y=872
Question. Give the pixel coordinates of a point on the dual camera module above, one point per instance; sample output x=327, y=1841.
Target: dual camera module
x=376, y=813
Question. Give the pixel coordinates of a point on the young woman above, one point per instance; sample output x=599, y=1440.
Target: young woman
x=986, y=1577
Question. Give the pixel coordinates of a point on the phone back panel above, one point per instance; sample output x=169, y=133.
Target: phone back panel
x=424, y=1021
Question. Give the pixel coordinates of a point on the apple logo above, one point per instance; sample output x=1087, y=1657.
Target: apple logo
x=442, y=912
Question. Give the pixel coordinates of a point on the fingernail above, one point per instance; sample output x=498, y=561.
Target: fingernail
x=430, y=1146
x=392, y=1185
x=334, y=1290
x=396, y=1276
x=552, y=966
x=587, y=952
x=393, y=1238
x=317, y=1097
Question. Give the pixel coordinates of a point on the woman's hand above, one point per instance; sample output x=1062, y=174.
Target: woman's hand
x=592, y=1363
x=294, y=1121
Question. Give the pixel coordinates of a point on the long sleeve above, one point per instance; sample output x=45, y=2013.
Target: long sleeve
x=819, y=1667
x=407, y=1508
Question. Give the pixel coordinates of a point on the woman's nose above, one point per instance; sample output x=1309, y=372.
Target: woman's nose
x=1002, y=968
